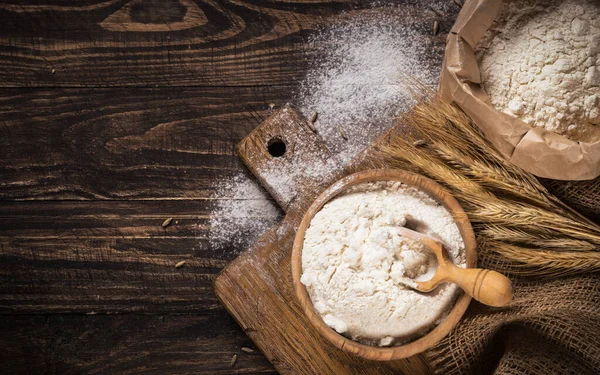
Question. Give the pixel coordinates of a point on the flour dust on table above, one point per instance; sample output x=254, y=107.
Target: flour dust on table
x=355, y=81
x=242, y=211
x=354, y=84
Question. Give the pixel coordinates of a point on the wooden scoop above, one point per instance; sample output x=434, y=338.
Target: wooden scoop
x=486, y=286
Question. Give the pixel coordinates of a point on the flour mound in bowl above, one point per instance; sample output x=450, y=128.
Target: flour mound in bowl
x=355, y=263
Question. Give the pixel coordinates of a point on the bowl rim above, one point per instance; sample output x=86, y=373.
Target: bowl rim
x=435, y=191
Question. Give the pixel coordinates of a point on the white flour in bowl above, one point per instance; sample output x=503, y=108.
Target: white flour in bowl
x=541, y=63
x=355, y=261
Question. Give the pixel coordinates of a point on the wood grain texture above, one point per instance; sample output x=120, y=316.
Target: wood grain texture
x=155, y=143
x=169, y=42
x=116, y=114
x=87, y=178
x=156, y=42
x=126, y=344
x=107, y=257
x=100, y=278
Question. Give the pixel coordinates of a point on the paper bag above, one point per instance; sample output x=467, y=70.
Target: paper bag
x=536, y=150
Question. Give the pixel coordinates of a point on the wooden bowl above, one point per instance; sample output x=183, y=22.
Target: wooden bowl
x=430, y=339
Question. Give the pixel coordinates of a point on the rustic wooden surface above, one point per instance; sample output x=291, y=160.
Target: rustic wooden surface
x=116, y=115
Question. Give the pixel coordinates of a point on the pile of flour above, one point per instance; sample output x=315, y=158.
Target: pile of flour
x=355, y=263
x=541, y=63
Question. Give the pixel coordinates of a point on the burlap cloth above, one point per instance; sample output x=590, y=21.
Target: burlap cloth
x=551, y=327
x=584, y=196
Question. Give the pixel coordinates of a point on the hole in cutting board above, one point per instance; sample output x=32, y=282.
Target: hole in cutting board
x=276, y=147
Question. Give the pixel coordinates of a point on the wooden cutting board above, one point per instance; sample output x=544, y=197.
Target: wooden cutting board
x=256, y=288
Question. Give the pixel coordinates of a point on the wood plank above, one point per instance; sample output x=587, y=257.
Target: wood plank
x=125, y=143
x=170, y=43
x=201, y=343
x=108, y=257
x=156, y=42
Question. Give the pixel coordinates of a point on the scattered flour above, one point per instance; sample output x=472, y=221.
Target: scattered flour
x=353, y=83
x=307, y=161
x=242, y=212
x=541, y=63
x=355, y=263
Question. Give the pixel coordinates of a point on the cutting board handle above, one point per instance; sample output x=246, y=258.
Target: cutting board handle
x=279, y=151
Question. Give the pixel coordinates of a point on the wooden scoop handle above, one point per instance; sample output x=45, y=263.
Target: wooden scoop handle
x=486, y=286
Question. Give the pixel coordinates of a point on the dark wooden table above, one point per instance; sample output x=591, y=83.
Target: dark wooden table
x=116, y=115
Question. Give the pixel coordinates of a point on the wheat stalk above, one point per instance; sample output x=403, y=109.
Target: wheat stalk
x=538, y=238
x=523, y=225
x=397, y=153
x=493, y=178
x=494, y=172
x=526, y=261
x=485, y=206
